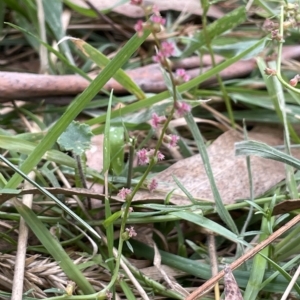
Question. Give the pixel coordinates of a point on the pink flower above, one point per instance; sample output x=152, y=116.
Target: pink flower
x=136, y=2
x=159, y=57
x=143, y=157
x=182, y=75
x=182, y=108
x=131, y=232
x=172, y=140
x=139, y=27
x=156, y=120
x=294, y=81
x=167, y=48
x=158, y=19
x=160, y=156
x=123, y=193
x=152, y=185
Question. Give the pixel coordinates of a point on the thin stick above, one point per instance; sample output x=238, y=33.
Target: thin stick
x=17, y=288
x=209, y=283
x=291, y=284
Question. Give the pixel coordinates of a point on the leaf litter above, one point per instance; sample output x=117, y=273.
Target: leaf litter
x=230, y=172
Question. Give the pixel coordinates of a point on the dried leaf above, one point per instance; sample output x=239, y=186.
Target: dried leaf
x=94, y=158
x=230, y=172
x=286, y=206
x=189, y=6
x=232, y=291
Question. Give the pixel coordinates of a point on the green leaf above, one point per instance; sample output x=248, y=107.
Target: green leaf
x=52, y=197
x=202, y=270
x=142, y=104
x=76, y=138
x=106, y=144
x=206, y=223
x=53, y=11
x=52, y=50
x=116, y=139
x=127, y=290
x=259, y=265
x=77, y=106
x=101, y=60
x=109, y=221
x=222, y=211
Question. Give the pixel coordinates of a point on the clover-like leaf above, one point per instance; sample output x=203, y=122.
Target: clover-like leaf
x=76, y=138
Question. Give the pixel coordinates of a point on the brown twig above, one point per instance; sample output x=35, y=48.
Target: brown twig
x=209, y=283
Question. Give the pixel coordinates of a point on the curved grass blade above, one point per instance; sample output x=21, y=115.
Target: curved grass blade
x=101, y=60
x=265, y=151
x=77, y=106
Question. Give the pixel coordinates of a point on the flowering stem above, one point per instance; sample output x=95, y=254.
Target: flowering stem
x=279, y=56
x=132, y=142
x=130, y=197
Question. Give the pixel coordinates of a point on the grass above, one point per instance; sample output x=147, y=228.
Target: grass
x=79, y=251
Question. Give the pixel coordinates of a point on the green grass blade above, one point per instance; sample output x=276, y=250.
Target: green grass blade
x=266, y=151
x=259, y=265
x=127, y=290
x=206, y=223
x=53, y=11
x=102, y=61
x=202, y=270
x=222, y=211
x=77, y=106
x=52, y=50
x=106, y=144
x=228, y=22
x=52, y=197
x=142, y=104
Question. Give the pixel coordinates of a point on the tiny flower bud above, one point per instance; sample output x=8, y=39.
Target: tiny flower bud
x=167, y=48
x=275, y=35
x=171, y=140
x=269, y=25
x=269, y=71
x=144, y=156
x=294, y=81
x=182, y=76
x=182, y=108
x=153, y=185
x=158, y=20
x=156, y=120
x=155, y=10
x=128, y=233
x=139, y=28
x=123, y=193
x=160, y=156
